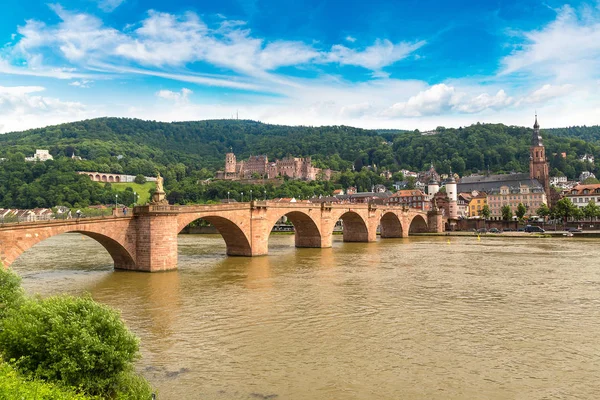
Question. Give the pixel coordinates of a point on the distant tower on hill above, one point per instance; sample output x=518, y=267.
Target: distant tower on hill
x=230, y=163
x=538, y=165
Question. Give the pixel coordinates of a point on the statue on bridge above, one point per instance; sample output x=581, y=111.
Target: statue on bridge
x=159, y=196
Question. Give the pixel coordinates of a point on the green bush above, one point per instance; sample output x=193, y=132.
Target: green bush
x=140, y=179
x=11, y=294
x=73, y=341
x=13, y=386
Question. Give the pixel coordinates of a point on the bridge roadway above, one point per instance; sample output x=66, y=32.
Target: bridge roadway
x=147, y=239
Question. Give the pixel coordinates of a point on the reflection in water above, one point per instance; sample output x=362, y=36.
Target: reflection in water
x=410, y=318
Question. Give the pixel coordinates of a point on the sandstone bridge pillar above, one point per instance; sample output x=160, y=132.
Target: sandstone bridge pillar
x=156, y=238
x=435, y=221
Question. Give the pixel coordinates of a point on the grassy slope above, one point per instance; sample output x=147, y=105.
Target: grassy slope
x=141, y=190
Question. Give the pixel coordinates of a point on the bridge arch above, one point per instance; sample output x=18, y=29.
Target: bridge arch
x=391, y=227
x=236, y=240
x=307, y=231
x=113, y=239
x=418, y=224
x=355, y=227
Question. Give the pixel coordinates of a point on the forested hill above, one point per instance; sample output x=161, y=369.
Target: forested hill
x=197, y=144
x=135, y=146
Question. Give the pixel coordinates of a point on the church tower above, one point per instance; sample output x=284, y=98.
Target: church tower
x=230, y=163
x=538, y=165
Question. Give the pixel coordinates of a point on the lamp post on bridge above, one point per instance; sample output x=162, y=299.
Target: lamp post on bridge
x=116, y=203
x=242, y=197
x=228, y=197
x=134, y=198
x=250, y=195
x=265, y=192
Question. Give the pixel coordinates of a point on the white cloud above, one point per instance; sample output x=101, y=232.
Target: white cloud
x=164, y=40
x=567, y=48
x=178, y=97
x=350, y=39
x=21, y=110
x=381, y=54
x=109, y=5
x=78, y=37
x=548, y=92
x=465, y=104
x=441, y=98
x=83, y=84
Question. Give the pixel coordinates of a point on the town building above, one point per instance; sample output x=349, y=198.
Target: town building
x=586, y=175
x=386, y=174
x=40, y=155
x=587, y=158
x=558, y=180
x=260, y=167
x=476, y=204
x=462, y=204
x=532, y=189
x=408, y=174
x=413, y=198
x=429, y=175
x=581, y=195
x=531, y=197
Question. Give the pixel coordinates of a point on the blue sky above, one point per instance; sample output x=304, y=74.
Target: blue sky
x=393, y=64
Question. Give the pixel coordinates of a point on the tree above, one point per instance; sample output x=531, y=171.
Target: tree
x=11, y=294
x=543, y=211
x=485, y=212
x=507, y=213
x=590, y=181
x=521, y=211
x=578, y=214
x=564, y=209
x=591, y=210
x=140, y=179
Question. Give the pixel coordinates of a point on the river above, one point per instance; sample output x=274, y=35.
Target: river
x=417, y=318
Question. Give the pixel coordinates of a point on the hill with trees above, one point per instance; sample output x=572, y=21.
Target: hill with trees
x=187, y=152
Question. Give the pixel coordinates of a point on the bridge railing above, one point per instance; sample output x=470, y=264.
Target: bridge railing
x=12, y=220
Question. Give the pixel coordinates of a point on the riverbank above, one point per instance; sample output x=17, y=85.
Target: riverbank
x=553, y=234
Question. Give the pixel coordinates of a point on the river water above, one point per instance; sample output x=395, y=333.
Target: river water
x=417, y=318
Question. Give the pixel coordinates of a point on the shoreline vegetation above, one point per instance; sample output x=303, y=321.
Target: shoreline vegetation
x=64, y=347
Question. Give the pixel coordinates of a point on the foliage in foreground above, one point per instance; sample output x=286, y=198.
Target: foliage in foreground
x=68, y=341
x=11, y=294
x=14, y=386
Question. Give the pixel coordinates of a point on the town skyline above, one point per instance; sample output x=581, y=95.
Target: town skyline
x=380, y=65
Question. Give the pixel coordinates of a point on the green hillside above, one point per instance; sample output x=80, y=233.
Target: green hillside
x=188, y=152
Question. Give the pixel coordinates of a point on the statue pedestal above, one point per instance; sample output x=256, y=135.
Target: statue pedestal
x=159, y=198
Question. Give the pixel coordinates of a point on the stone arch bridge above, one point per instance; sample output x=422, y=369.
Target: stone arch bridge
x=147, y=240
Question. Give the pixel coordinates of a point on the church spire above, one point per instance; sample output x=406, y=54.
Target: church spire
x=536, y=138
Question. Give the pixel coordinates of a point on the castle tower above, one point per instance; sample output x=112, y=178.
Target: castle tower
x=432, y=188
x=451, y=192
x=538, y=165
x=230, y=163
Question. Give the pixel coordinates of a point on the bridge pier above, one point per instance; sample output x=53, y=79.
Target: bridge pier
x=156, y=242
x=435, y=221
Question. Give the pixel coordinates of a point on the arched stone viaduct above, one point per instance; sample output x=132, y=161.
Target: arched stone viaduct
x=147, y=240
